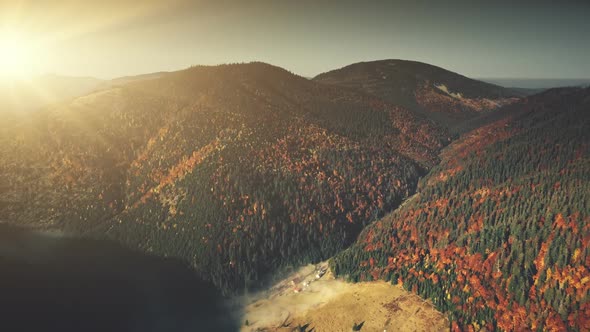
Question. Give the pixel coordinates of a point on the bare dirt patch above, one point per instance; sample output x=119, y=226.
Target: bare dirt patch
x=329, y=304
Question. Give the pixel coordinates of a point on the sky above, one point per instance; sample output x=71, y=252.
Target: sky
x=107, y=38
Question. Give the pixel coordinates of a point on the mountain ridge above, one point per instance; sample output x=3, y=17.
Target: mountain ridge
x=200, y=163
x=443, y=96
x=240, y=170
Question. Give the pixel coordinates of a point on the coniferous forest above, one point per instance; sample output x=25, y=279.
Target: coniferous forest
x=237, y=169
x=497, y=234
x=294, y=166
x=242, y=170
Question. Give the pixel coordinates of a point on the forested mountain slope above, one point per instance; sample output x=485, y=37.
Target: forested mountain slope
x=237, y=169
x=443, y=96
x=498, y=234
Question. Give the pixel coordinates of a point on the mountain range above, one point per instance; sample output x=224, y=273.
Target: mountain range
x=241, y=170
x=20, y=97
x=536, y=84
x=218, y=165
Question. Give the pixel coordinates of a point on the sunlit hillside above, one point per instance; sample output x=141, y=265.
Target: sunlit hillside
x=497, y=235
x=237, y=169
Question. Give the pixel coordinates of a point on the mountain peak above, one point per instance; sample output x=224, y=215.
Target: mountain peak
x=447, y=98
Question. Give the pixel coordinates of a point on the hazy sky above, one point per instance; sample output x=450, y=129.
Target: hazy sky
x=107, y=38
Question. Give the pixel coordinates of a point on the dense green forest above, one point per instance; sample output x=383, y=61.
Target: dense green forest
x=237, y=169
x=498, y=234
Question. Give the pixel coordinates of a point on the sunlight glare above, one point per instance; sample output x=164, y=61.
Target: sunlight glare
x=15, y=56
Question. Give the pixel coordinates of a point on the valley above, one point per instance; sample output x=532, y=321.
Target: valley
x=497, y=234
x=329, y=304
x=437, y=185
x=236, y=169
x=294, y=166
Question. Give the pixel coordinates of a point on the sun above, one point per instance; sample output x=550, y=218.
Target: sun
x=15, y=56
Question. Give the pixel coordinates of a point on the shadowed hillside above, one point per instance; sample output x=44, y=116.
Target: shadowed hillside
x=497, y=235
x=443, y=96
x=236, y=169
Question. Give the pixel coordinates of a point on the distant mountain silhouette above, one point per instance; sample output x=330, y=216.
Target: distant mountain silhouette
x=21, y=96
x=18, y=98
x=442, y=96
x=134, y=78
x=537, y=83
